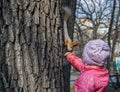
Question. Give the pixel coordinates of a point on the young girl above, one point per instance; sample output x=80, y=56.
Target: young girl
x=94, y=76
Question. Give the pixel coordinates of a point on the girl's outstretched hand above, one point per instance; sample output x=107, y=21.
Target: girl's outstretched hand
x=67, y=53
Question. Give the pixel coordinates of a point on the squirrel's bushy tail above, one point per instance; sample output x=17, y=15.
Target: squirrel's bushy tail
x=66, y=12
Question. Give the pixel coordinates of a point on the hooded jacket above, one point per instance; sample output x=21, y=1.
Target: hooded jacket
x=91, y=79
x=94, y=76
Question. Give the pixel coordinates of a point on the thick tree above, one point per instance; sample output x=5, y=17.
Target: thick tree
x=31, y=46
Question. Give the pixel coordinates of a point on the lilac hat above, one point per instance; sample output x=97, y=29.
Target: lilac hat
x=95, y=52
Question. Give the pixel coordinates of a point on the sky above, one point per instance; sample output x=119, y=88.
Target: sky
x=94, y=6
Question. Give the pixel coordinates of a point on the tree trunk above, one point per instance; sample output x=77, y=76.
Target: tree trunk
x=31, y=49
x=67, y=67
x=110, y=31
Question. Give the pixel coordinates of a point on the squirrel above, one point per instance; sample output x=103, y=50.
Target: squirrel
x=67, y=40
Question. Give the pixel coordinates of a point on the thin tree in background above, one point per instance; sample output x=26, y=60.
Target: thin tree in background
x=114, y=29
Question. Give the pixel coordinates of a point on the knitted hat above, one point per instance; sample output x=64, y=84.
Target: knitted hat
x=96, y=52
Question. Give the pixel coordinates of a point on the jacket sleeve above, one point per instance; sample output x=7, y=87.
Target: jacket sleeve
x=75, y=61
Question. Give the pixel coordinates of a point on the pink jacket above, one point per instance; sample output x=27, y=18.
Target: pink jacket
x=91, y=79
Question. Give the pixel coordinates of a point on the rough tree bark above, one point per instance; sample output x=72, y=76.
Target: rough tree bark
x=31, y=56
